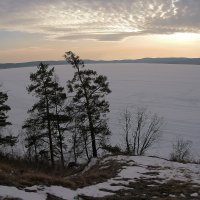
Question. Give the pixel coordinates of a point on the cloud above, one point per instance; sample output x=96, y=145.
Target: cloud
x=98, y=19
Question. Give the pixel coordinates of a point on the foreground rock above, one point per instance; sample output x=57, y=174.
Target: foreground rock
x=121, y=177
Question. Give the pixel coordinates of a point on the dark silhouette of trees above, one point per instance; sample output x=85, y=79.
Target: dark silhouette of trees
x=48, y=114
x=89, y=90
x=33, y=137
x=4, y=108
x=60, y=117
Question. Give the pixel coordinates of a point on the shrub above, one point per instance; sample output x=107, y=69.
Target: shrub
x=115, y=150
x=181, y=151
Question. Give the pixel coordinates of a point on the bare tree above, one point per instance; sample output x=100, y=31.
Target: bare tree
x=126, y=124
x=142, y=129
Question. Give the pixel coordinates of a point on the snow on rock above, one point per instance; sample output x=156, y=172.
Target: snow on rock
x=172, y=195
x=194, y=195
x=135, y=167
x=6, y=191
x=172, y=170
x=167, y=169
x=61, y=192
x=182, y=195
x=92, y=162
x=40, y=192
x=132, y=172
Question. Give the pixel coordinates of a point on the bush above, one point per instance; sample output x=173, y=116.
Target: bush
x=115, y=150
x=181, y=151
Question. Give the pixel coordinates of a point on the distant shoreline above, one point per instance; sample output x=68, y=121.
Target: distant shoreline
x=184, y=61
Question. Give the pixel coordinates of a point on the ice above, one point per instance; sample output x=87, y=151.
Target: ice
x=172, y=91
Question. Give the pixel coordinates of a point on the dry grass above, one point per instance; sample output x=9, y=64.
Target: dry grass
x=99, y=173
x=16, y=175
x=11, y=175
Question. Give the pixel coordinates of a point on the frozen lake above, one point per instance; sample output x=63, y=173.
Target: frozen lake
x=172, y=91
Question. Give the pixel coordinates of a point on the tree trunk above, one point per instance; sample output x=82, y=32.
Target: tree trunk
x=36, y=156
x=94, y=148
x=127, y=143
x=50, y=135
x=92, y=132
x=61, y=151
x=60, y=139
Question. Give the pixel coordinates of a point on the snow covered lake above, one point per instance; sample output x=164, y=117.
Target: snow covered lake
x=172, y=91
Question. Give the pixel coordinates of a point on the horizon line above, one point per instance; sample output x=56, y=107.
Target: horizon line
x=101, y=60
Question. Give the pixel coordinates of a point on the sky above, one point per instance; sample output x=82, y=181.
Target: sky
x=98, y=29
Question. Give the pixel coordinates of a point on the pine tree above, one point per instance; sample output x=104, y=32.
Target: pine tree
x=42, y=87
x=33, y=137
x=60, y=117
x=89, y=90
x=4, y=108
x=48, y=111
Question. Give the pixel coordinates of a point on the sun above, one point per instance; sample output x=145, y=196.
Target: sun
x=179, y=38
x=186, y=37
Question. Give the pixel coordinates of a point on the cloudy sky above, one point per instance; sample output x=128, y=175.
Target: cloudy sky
x=98, y=29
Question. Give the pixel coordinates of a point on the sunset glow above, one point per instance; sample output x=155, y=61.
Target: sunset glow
x=126, y=29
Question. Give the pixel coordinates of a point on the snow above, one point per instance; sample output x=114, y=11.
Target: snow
x=6, y=191
x=172, y=91
x=61, y=192
x=92, y=162
x=95, y=191
x=182, y=195
x=138, y=167
x=167, y=170
x=129, y=172
x=40, y=194
x=194, y=195
x=172, y=195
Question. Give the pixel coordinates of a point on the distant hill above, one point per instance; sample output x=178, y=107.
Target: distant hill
x=188, y=61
